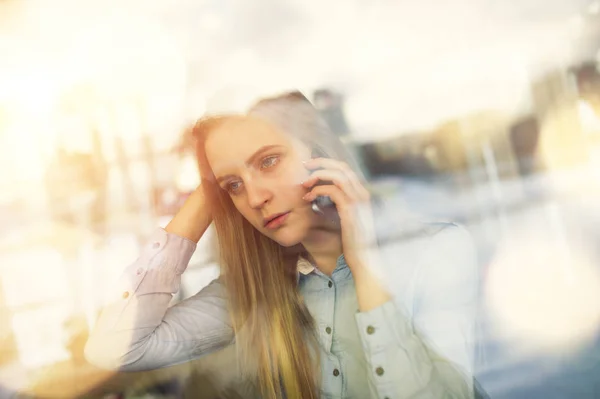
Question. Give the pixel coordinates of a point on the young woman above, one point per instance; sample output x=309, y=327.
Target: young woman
x=305, y=294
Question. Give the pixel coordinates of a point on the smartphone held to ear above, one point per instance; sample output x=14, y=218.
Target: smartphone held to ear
x=322, y=202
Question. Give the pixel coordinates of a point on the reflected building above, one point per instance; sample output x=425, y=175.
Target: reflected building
x=8, y=346
x=465, y=149
x=449, y=148
x=555, y=98
x=476, y=145
x=587, y=79
x=587, y=76
x=330, y=104
x=403, y=155
x=72, y=181
x=524, y=138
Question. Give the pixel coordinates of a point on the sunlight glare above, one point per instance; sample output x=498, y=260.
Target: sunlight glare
x=542, y=295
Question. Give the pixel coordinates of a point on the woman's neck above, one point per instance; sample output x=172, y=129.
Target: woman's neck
x=324, y=248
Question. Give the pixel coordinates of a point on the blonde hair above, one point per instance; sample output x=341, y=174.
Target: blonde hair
x=272, y=324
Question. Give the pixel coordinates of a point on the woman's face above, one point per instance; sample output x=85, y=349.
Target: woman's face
x=261, y=169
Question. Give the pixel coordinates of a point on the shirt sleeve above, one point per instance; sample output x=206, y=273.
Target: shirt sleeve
x=139, y=331
x=428, y=355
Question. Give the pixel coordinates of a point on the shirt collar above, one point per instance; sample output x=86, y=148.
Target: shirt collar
x=305, y=267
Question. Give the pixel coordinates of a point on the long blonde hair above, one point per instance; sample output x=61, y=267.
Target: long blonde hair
x=272, y=325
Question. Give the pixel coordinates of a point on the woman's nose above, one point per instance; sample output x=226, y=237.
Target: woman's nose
x=257, y=194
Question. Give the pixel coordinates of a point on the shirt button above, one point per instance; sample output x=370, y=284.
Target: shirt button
x=156, y=245
x=336, y=372
x=330, y=284
x=328, y=330
x=379, y=371
x=125, y=295
x=370, y=330
x=139, y=271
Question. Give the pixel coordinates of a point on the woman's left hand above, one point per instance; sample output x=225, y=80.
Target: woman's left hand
x=353, y=203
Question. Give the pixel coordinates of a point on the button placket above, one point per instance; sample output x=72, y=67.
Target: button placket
x=329, y=319
x=335, y=376
x=327, y=337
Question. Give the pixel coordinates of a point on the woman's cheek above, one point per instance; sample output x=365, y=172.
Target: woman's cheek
x=295, y=175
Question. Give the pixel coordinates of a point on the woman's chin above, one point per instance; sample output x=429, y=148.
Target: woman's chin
x=287, y=238
x=288, y=243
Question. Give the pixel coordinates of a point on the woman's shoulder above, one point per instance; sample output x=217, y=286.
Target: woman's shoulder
x=394, y=221
x=451, y=247
x=423, y=242
x=448, y=234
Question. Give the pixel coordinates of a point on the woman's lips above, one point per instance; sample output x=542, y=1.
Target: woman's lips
x=277, y=221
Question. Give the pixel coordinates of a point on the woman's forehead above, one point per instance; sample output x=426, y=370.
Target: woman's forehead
x=234, y=142
x=245, y=132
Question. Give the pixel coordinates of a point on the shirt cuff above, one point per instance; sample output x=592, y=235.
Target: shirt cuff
x=163, y=259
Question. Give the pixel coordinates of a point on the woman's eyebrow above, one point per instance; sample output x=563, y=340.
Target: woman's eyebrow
x=251, y=159
x=223, y=178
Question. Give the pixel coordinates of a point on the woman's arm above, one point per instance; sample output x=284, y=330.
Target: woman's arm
x=402, y=364
x=446, y=296
x=428, y=356
x=139, y=331
x=193, y=219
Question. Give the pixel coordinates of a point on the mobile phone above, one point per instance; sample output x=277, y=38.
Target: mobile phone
x=322, y=202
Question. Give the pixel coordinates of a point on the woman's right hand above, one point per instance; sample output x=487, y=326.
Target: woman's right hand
x=193, y=218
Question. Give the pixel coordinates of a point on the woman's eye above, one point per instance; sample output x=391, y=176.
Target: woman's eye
x=269, y=161
x=234, y=186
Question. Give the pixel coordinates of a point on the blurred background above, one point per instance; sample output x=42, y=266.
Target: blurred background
x=484, y=112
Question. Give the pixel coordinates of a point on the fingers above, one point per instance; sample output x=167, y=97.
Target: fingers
x=340, y=174
x=334, y=177
x=351, y=198
x=337, y=195
x=352, y=214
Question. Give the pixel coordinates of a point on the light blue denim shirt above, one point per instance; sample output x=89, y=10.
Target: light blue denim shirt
x=419, y=345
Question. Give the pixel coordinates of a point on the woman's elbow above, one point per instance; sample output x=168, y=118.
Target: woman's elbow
x=110, y=356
